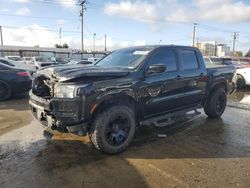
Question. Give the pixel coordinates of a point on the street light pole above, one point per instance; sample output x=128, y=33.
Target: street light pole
x=82, y=4
x=194, y=33
x=94, y=42
x=1, y=34
x=105, y=43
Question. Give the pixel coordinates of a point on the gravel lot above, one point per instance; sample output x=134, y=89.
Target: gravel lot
x=196, y=152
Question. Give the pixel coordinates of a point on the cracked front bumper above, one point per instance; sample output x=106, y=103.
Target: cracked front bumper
x=62, y=114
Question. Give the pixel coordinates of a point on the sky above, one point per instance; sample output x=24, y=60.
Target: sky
x=125, y=22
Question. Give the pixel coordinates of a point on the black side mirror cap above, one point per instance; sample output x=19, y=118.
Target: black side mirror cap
x=156, y=68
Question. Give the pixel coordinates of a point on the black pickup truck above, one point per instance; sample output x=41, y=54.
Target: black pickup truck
x=128, y=88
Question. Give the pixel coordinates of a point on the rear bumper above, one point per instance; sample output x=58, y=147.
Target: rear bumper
x=64, y=115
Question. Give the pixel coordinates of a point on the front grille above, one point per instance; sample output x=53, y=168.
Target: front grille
x=41, y=87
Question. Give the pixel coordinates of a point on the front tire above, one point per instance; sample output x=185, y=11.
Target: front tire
x=5, y=92
x=216, y=103
x=240, y=81
x=113, y=129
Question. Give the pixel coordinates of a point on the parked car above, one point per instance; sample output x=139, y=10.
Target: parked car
x=243, y=73
x=242, y=69
x=41, y=61
x=16, y=58
x=14, y=79
x=28, y=60
x=129, y=87
x=59, y=60
x=93, y=59
x=82, y=62
x=85, y=62
x=18, y=64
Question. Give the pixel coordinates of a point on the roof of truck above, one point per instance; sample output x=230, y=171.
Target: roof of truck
x=160, y=46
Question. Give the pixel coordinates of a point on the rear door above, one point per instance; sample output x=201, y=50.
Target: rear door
x=163, y=90
x=193, y=75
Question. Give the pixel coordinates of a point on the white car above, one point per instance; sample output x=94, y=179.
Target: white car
x=41, y=61
x=93, y=59
x=243, y=76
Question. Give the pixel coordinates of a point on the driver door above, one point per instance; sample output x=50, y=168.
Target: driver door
x=163, y=90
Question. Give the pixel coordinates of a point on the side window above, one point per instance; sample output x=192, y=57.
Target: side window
x=6, y=63
x=166, y=57
x=189, y=60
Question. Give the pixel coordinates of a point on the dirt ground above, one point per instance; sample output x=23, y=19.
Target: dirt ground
x=196, y=152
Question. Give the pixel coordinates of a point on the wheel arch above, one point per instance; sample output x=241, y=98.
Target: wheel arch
x=112, y=99
x=215, y=86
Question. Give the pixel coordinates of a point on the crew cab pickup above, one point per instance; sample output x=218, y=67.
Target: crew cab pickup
x=129, y=87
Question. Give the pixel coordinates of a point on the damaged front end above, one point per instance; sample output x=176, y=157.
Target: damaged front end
x=57, y=105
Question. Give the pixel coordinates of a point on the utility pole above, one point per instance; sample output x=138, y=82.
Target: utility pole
x=60, y=35
x=215, y=48
x=82, y=4
x=194, y=32
x=105, y=43
x=235, y=36
x=94, y=42
x=1, y=34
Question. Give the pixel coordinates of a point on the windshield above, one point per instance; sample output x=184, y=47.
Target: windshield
x=125, y=58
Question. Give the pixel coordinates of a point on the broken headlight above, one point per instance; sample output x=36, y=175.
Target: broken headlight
x=64, y=91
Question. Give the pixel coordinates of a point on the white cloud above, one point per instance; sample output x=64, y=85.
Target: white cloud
x=137, y=10
x=34, y=35
x=61, y=21
x=67, y=3
x=139, y=43
x=21, y=1
x=229, y=11
x=4, y=10
x=30, y=36
x=23, y=11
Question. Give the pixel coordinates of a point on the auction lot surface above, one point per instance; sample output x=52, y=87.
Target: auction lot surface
x=196, y=152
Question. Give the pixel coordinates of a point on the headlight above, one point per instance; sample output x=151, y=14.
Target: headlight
x=64, y=91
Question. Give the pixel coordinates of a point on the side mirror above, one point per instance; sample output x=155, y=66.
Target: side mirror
x=156, y=68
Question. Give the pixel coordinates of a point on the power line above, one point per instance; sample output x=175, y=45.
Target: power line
x=35, y=17
x=41, y=29
x=52, y=2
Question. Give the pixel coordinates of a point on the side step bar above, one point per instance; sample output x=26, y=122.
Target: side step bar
x=164, y=120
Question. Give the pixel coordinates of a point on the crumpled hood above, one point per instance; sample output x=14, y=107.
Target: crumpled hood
x=64, y=73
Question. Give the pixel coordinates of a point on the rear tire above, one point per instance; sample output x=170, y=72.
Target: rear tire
x=240, y=81
x=5, y=91
x=216, y=103
x=113, y=129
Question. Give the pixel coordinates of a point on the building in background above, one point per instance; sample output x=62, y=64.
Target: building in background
x=223, y=50
x=207, y=48
x=213, y=48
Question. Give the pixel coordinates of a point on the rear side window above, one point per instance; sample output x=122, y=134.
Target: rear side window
x=6, y=63
x=189, y=59
x=166, y=57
